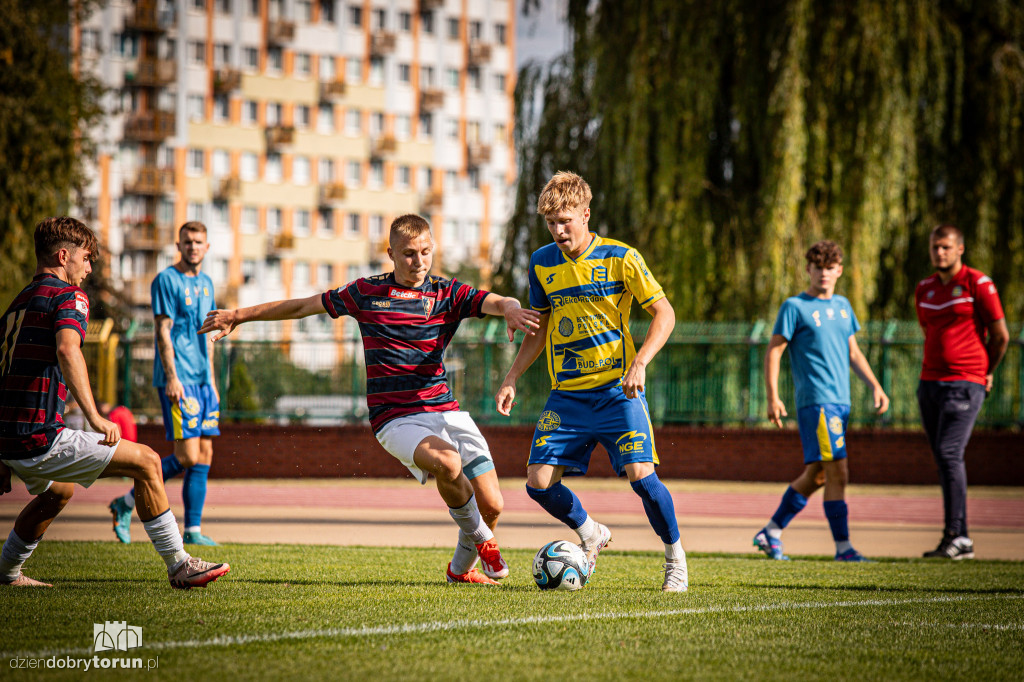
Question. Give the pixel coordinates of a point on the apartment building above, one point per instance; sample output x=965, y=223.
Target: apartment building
x=296, y=130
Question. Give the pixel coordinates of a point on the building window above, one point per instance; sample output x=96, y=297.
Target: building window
x=300, y=274
x=451, y=128
x=300, y=170
x=353, y=174
x=252, y=8
x=302, y=64
x=405, y=21
x=472, y=131
x=354, y=70
x=376, y=123
x=325, y=119
x=326, y=67
x=473, y=176
x=376, y=227
x=272, y=271
x=197, y=52
x=197, y=4
x=302, y=227
x=250, y=167
x=404, y=73
x=325, y=228
x=473, y=74
x=221, y=54
x=499, y=82
x=453, y=28
x=302, y=116
x=250, y=112
x=324, y=275
x=376, y=174
x=304, y=10
x=223, y=6
x=273, y=221
x=403, y=126
x=221, y=163
x=425, y=178
x=353, y=122
x=250, y=220
x=275, y=60
x=451, y=78
x=325, y=170
x=355, y=16
x=273, y=113
x=404, y=177
x=327, y=11
x=248, y=270
x=426, y=125
x=380, y=19
x=450, y=180
x=500, y=131
x=499, y=34
x=195, y=162
x=273, y=171
x=476, y=30
x=353, y=226
x=221, y=109
x=195, y=105
x=427, y=23
x=426, y=76
x=194, y=211
x=219, y=219
x=376, y=71
x=250, y=58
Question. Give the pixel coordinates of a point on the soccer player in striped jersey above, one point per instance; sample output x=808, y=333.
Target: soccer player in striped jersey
x=41, y=360
x=407, y=318
x=818, y=327
x=583, y=286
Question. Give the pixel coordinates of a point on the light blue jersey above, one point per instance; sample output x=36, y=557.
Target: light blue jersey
x=186, y=300
x=818, y=331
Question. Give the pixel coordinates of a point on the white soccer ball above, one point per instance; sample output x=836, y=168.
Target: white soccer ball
x=561, y=565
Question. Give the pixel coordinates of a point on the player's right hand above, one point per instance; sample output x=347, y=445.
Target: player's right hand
x=505, y=399
x=111, y=431
x=5, y=479
x=224, y=320
x=776, y=411
x=175, y=390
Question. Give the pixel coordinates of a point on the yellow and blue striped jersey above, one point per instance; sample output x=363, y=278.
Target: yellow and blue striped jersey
x=588, y=343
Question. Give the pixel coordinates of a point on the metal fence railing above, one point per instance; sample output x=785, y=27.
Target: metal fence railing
x=708, y=373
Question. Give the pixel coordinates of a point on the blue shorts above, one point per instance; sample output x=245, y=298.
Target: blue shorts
x=823, y=431
x=195, y=415
x=574, y=422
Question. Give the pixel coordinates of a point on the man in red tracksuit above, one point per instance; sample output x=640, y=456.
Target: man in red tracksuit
x=965, y=337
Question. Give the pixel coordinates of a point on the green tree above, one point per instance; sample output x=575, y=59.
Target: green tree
x=45, y=107
x=723, y=138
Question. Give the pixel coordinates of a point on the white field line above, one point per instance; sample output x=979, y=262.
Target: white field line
x=968, y=626
x=443, y=626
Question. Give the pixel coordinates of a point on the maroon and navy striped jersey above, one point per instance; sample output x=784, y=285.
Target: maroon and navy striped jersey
x=405, y=332
x=32, y=389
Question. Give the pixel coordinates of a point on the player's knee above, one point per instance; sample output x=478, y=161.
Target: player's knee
x=445, y=464
x=148, y=464
x=60, y=494
x=490, y=509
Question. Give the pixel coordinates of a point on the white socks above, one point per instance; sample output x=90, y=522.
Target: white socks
x=773, y=529
x=163, y=533
x=129, y=499
x=843, y=546
x=465, y=556
x=587, y=531
x=192, y=529
x=471, y=523
x=675, y=552
x=15, y=553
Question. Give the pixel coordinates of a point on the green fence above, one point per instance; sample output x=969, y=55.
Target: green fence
x=708, y=373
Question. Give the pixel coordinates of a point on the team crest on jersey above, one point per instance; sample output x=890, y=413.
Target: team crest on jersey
x=817, y=318
x=835, y=425
x=599, y=274
x=428, y=305
x=831, y=313
x=206, y=292
x=842, y=313
x=81, y=302
x=565, y=326
x=957, y=291
x=189, y=405
x=549, y=421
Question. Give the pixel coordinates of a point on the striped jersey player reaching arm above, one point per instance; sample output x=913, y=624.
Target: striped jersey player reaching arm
x=407, y=318
x=41, y=368
x=583, y=285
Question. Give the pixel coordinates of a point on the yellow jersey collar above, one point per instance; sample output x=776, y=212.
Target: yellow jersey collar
x=586, y=252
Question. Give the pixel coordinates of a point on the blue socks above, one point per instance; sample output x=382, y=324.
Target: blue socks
x=193, y=494
x=171, y=468
x=835, y=512
x=791, y=505
x=661, y=511
x=561, y=503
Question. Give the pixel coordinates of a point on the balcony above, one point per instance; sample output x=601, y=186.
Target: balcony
x=136, y=289
x=333, y=89
x=430, y=5
x=382, y=43
x=431, y=98
x=227, y=188
x=431, y=202
x=477, y=154
x=332, y=193
x=145, y=235
x=151, y=72
x=279, y=244
x=150, y=126
x=279, y=136
x=479, y=53
x=148, y=18
x=382, y=146
x=151, y=181
x=280, y=32
x=226, y=80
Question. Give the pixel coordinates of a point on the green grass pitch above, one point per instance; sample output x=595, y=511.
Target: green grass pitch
x=318, y=612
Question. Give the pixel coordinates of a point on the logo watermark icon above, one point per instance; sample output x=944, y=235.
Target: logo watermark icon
x=106, y=636
x=115, y=636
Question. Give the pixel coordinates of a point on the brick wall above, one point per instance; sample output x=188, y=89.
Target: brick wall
x=898, y=457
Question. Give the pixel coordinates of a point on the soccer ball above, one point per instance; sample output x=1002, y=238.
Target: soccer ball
x=560, y=565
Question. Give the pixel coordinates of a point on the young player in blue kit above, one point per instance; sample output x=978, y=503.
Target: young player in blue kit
x=818, y=327
x=183, y=376
x=583, y=285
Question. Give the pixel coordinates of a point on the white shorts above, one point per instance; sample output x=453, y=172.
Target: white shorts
x=401, y=436
x=74, y=457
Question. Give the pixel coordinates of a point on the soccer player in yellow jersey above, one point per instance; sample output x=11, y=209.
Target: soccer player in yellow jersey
x=583, y=286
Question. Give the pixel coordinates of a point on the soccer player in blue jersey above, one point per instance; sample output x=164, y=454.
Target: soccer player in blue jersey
x=583, y=285
x=407, y=318
x=41, y=368
x=182, y=295
x=818, y=327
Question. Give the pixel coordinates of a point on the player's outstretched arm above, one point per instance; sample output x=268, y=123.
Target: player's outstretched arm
x=862, y=369
x=293, y=309
x=529, y=350
x=516, y=317
x=772, y=362
x=657, y=334
x=76, y=376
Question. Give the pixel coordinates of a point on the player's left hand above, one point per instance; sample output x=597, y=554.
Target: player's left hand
x=636, y=377
x=881, y=400
x=224, y=320
x=519, y=318
x=5, y=479
x=988, y=384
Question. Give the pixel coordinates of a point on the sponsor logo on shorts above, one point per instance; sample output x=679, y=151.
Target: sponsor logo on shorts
x=189, y=405
x=193, y=422
x=210, y=423
x=541, y=442
x=565, y=326
x=839, y=442
x=631, y=441
x=835, y=425
x=549, y=421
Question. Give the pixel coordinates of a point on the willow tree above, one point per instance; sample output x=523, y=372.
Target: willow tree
x=723, y=138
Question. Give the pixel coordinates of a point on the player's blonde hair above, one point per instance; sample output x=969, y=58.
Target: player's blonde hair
x=405, y=227
x=565, y=191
